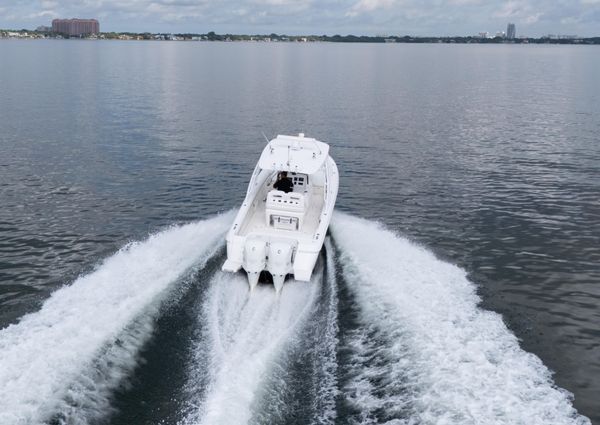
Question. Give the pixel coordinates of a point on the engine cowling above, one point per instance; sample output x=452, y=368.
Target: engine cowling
x=279, y=263
x=255, y=259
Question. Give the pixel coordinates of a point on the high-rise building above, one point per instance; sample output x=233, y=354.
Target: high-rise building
x=511, y=32
x=75, y=27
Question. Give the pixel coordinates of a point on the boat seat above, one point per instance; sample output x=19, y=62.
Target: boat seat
x=285, y=210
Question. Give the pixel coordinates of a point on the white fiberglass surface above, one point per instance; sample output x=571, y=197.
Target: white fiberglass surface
x=65, y=359
x=255, y=222
x=425, y=353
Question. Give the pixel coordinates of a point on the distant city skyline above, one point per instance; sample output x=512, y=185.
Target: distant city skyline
x=369, y=17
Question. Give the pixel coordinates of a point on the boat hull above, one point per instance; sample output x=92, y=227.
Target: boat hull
x=283, y=233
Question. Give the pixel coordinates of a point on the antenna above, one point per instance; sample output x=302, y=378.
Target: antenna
x=265, y=136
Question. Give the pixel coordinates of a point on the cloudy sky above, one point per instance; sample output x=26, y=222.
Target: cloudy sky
x=370, y=17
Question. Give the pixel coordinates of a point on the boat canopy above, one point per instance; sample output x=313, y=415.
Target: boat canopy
x=298, y=154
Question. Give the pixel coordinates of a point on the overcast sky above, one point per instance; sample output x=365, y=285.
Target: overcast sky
x=369, y=17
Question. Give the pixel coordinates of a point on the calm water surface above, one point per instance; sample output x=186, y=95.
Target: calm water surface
x=487, y=155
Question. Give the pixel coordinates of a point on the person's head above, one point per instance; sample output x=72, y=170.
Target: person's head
x=282, y=175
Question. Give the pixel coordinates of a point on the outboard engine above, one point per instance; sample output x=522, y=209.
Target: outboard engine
x=255, y=259
x=279, y=262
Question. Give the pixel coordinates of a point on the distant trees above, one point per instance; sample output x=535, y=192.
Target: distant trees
x=337, y=38
x=213, y=37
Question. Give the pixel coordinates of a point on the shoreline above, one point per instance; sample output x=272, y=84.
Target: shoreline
x=275, y=38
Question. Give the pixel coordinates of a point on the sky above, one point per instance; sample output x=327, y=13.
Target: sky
x=533, y=18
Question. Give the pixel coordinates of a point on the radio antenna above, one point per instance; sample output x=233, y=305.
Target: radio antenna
x=265, y=136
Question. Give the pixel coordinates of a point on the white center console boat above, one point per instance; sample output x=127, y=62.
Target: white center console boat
x=282, y=223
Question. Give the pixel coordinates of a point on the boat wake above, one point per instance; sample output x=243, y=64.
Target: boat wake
x=243, y=343
x=423, y=352
x=384, y=333
x=61, y=363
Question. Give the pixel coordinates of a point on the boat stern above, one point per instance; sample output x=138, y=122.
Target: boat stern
x=257, y=253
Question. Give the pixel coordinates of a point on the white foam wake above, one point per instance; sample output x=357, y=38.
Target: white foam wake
x=62, y=360
x=325, y=380
x=246, y=335
x=447, y=361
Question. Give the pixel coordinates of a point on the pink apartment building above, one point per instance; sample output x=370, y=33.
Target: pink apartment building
x=76, y=26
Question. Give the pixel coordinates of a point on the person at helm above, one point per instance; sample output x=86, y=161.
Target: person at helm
x=283, y=183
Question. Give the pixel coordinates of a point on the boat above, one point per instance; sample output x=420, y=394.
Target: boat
x=282, y=223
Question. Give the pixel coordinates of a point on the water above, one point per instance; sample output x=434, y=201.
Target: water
x=483, y=161
x=443, y=360
x=68, y=356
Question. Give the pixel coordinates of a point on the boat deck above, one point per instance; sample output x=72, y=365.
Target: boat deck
x=256, y=222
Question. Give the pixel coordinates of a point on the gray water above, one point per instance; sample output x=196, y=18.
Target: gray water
x=488, y=156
